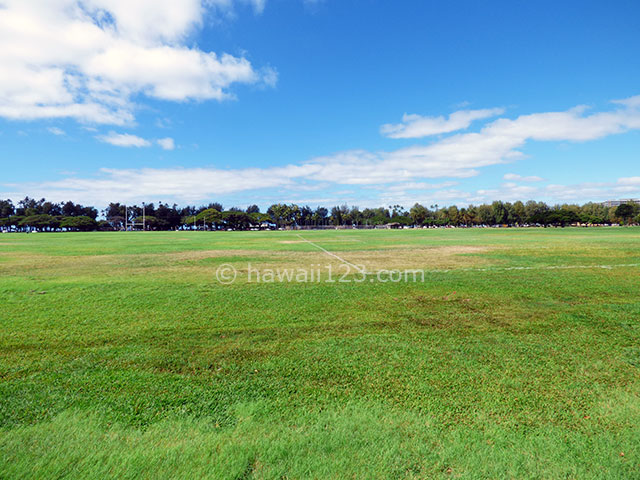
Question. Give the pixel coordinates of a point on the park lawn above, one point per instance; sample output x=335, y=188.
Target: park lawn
x=518, y=356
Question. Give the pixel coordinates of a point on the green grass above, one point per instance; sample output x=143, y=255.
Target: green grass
x=121, y=356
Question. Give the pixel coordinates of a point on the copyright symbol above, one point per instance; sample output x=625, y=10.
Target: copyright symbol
x=226, y=274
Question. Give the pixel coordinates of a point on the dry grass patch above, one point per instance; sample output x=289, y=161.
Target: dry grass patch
x=206, y=262
x=449, y=257
x=445, y=257
x=323, y=241
x=204, y=254
x=110, y=265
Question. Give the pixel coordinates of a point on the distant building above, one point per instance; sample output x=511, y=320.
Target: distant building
x=617, y=203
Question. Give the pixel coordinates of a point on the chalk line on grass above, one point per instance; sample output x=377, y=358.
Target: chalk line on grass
x=360, y=269
x=536, y=267
x=487, y=269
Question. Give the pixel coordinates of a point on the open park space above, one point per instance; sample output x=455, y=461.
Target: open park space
x=514, y=353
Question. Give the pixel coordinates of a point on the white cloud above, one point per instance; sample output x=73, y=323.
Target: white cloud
x=498, y=142
x=56, y=131
x=88, y=59
x=514, y=177
x=124, y=140
x=406, y=186
x=182, y=184
x=416, y=126
x=269, y=76
x=455, y=157
x=166, y=143
x=258, y=5
x=195, y=185
x=631, y=102
x=129, y=140
x=571, y=125
x=630, y=181
x=556, y=193
x=511, y=192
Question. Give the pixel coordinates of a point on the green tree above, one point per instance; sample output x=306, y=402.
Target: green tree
x=320, y=216
x=485, y=215
x=40, y=222
x=471, y=216
x=81, y=223
x=593, y=213
x=151, y=222
x=418, y=214
x=625, y=212
x=284, y=215
x=6, y=208
x=257, y=219
x=340, y=215
x=210, y=217
x=236, y=220
x=500, y=212
x=518, y=213
x=536, y=212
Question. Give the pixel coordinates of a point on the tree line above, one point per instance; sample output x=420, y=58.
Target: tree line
x=42, y=215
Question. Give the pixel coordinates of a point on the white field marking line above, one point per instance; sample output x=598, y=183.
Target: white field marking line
x=361, y=270
x=540, y=267
x=497, y=269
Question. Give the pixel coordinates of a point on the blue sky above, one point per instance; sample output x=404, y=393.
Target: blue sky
x=322, y=102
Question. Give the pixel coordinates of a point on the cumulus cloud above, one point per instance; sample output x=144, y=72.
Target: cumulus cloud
x=87, y=59
x=166, y=143
x=461, y=155
x=572, y=125
x=417, y=126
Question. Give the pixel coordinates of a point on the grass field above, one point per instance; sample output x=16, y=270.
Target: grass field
x=518, y=356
